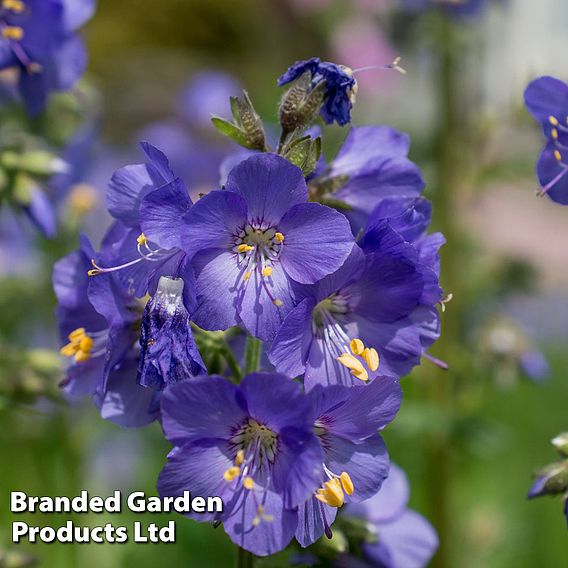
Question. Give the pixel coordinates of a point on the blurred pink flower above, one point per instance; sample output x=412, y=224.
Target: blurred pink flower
x=358, y=42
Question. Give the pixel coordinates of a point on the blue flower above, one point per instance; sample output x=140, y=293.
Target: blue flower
x=346, y=421
x=405, y=539
x=169, y=353
x=147, y=201
x=255, y=240
x=98, y=323
x=252, y=445
x=546, y=99
x=380, y=305
x=372, y=165
x=38, y=38
x=340, y=87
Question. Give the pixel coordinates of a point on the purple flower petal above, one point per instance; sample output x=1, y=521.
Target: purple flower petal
x=204, y=407
x=270, y=185
x=317, y=242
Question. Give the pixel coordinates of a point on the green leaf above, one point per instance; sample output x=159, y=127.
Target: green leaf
x=232, y=131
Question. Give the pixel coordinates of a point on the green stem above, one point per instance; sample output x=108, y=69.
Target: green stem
x=245, y=559
x=231, y=360
x=252, y=354
x=450, y=144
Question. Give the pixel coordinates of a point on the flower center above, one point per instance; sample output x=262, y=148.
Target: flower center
x=259, y=439
x=257, y=248
x=82, y=345
x=329, y=307
x=256, y=447
x=351, y=354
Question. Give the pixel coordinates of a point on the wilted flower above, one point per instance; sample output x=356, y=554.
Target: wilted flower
x=336, y=82
x=169, y=353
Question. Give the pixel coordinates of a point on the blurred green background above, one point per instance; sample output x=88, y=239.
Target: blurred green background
x=468, y=438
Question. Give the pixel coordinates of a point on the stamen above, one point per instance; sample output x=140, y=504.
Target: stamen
x=354, y=365
x=371, y=358
x=231, y=473
x=331, y=493
x=248, y=483
x=346, y=483
x=13, y=32
x=267, y=271
x=244, y=248
x=446, y=300
x=357, y=346
x=142, y=240
x=80, y=346
x=247, y=275
x=394, y=65
x=16, y=6
x=558, y=155
x=553, y=120
x=279, y=238
x=278, y=303
x=240, y=457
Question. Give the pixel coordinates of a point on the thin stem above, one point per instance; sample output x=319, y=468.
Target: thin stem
x=232, y=362
x=253, y=352
x=441, y=387
x=245, y=559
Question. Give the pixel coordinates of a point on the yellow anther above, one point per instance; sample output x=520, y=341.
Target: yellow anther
x=553, y=120
x=240, y=457
x=231, y=473
x=244, y=248
x=142, y=240
x=69, y=350
x=554, y=133
x=82, y=356
x=77, y=334
x=86, y=344
x=354, y=365
x=371, y=358
x=16, y=6
x=80, y=346
x=278, y=303
x=13, y=32
x=247, y=275
x=279, y=238
x=346, y=483
x=357, y=346
x=267, y=271
x=248, y=483
x=558, y=155
x=331, y=493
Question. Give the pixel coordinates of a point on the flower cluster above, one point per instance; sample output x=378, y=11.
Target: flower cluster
x=327, y=267
x=38, y=38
